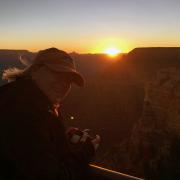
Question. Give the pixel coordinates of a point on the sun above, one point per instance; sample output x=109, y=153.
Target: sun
x=112, y=51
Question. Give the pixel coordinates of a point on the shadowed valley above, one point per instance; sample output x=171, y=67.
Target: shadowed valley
x=112, y=102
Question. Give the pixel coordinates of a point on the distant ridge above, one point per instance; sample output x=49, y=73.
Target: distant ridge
x=150, y=52
x=9, y=52
x=14, y=50
x=145, y=62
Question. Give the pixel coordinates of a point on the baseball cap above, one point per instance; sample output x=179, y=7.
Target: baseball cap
x=59, y=61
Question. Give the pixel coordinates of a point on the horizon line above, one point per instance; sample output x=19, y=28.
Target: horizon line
x=74, y=52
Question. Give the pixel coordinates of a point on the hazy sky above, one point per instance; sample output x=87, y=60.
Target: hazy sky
x=88, y=25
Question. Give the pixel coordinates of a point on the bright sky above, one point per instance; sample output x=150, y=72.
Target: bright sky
x=88, y=26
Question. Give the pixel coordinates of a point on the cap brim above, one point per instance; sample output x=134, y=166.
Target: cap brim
x=75, y=76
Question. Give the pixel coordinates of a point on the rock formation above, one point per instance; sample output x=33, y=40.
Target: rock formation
x=152, y=151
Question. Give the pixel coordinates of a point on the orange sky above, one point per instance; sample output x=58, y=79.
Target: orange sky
x=91, y=45
x=87, y=26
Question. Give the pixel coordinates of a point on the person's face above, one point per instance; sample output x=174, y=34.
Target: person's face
x=55, y=85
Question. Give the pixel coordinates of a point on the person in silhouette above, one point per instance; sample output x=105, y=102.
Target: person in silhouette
x=34, y=143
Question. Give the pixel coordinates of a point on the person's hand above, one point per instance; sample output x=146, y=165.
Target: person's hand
x=94, y=140
x=76, y=136
x=82, y=145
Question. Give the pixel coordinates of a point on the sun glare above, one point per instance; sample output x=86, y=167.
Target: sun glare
x=112, y=51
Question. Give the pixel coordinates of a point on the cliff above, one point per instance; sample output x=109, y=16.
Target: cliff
x=152, y=151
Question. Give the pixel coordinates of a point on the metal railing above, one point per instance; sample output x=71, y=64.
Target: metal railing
x=106, y=174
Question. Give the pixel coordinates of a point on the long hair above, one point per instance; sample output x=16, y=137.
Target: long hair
x=11, y=74
x=14, y=73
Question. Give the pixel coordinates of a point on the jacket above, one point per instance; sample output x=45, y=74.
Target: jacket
x=33, y=144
